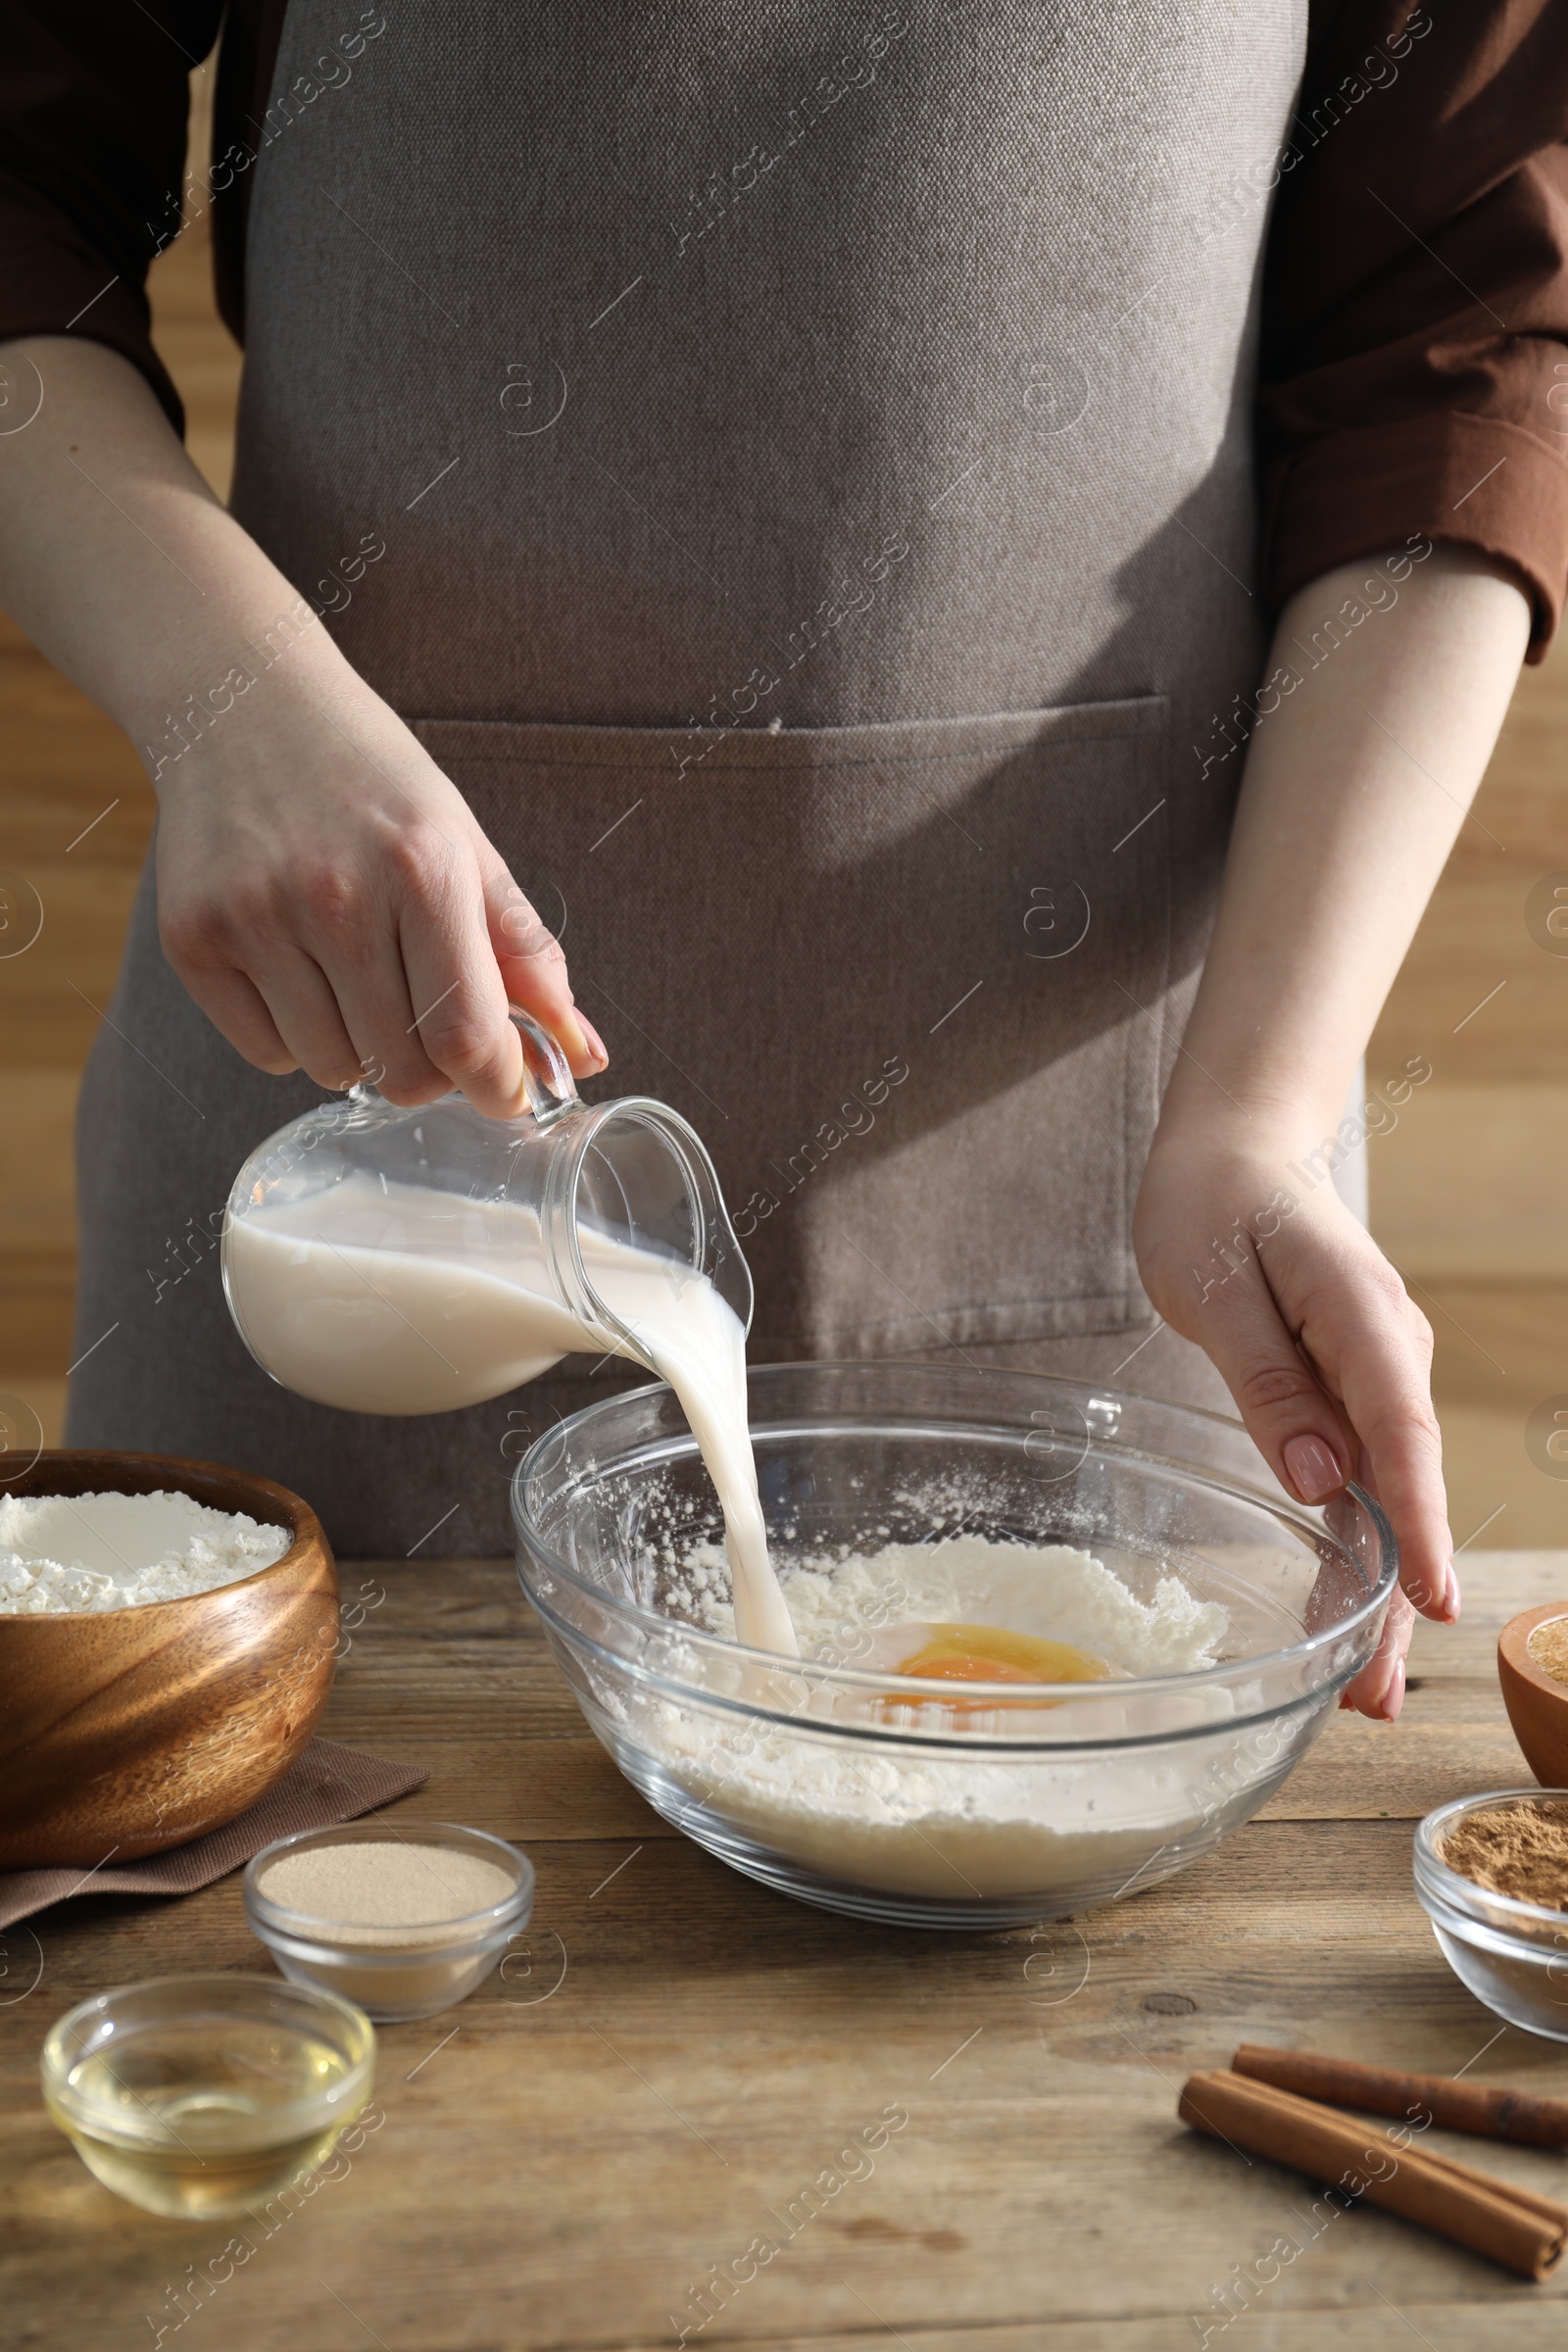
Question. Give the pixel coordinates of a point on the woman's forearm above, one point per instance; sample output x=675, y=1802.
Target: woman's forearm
x=1357, y=779
x=323, y=891
x=1356, y=786
x=118, y=559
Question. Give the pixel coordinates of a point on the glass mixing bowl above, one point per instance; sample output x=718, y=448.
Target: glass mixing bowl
x=927, y=1805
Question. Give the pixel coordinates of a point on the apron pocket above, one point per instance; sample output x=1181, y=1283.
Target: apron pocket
x=906, y=980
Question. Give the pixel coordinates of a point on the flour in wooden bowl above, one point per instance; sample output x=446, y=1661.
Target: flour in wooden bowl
x=63, y=1554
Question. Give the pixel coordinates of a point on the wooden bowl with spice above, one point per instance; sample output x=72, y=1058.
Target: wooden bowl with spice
x=125, y=1730
x=1533, y=1669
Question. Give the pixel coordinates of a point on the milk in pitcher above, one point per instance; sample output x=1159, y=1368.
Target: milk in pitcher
x=383, y=1298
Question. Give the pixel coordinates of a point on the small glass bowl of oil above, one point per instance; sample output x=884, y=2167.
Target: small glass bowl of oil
x=204, y=2094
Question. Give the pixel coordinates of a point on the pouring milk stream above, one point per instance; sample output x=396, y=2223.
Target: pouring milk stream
x=387, y=1260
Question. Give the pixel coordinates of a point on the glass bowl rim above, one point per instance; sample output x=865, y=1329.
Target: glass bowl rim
x=1469, y=1898
x=242, y=1987
x=264, y=1911
x=893, y=1686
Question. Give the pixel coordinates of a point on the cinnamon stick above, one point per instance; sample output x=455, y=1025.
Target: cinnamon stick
x=1488, y=2114
x=1550, y=2209
x=1513, y=2227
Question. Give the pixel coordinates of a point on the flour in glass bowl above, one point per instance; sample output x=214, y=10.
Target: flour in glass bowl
x=923, y=1821
x=1052, y=1590
x=84, y=1553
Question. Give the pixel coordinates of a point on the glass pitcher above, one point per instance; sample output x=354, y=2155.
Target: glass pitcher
x=390, y=1261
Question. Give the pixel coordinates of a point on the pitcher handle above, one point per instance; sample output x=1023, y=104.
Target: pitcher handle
x=546, y=1079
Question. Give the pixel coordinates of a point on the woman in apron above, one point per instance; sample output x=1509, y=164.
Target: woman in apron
x=763, y=505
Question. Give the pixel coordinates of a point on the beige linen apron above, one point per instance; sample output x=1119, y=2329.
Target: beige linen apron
x=792, y=468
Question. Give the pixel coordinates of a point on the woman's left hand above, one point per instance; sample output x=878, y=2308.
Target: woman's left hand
x=1327, y=1357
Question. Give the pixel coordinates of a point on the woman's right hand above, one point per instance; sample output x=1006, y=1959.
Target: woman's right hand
x=323, y=891
x=327, y=899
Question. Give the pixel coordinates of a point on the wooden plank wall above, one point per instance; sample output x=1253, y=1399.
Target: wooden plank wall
x=1468, y=1194
x=1467, y=1191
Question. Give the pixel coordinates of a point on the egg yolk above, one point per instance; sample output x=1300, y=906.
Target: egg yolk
x=988, y=1653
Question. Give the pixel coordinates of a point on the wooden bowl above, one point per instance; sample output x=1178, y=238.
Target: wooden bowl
x=1536, y=1704
x=124, y=1732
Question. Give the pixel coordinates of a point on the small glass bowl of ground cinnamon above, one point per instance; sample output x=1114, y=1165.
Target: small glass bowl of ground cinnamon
x=1492, y=1872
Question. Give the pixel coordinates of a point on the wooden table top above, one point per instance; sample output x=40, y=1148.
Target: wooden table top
x=679, y=2056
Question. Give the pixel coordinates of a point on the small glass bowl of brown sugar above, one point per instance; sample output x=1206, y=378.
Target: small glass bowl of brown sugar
x=402, y=1920
x=1492, y=1872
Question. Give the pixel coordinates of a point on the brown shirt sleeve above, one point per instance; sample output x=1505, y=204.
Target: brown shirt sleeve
x=93, y=168
x=1415, y=374
x=93, y=103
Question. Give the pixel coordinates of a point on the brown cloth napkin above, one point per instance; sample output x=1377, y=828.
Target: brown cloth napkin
x=325, y=1785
